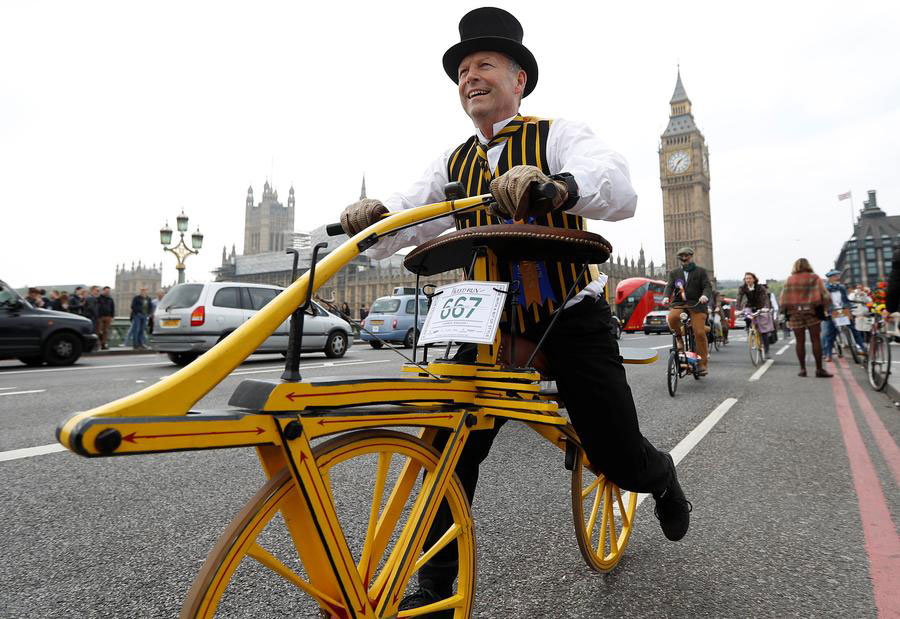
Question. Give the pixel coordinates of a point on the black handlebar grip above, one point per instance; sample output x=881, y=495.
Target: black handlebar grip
x=334, y=230
x=543, y=194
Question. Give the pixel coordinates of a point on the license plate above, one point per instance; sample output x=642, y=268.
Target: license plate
x=376, y=322
x=171, y=323
x=376, y=329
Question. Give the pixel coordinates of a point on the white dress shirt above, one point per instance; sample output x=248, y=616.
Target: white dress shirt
x=604, y=187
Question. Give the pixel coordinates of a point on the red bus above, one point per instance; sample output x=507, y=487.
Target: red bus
x=635, y=298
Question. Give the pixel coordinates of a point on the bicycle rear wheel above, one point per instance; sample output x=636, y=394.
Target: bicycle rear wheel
x=595, y=498
x=275, y=526
x=879, y=363
x=672, y=373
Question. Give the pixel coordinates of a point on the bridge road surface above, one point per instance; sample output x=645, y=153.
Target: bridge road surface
x=794, y=483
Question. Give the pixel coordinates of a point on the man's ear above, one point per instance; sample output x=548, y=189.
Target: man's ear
x=521, y=80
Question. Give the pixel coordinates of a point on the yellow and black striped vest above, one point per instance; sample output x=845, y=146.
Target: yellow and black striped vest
x=543, y=284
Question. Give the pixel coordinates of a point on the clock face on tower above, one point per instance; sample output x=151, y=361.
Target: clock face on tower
x=679, y=161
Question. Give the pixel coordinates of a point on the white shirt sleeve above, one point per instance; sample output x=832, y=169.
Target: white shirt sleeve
x=604, y=183
x=427, y=190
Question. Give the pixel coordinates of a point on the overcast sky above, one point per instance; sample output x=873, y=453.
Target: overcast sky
x=114, y=116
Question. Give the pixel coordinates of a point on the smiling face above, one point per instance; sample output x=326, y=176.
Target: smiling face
x=490, y=87
x=685, y=258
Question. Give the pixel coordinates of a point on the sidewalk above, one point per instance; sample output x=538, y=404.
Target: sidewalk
x=121, y=350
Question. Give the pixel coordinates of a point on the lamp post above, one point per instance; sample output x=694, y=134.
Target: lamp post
x=180, y=250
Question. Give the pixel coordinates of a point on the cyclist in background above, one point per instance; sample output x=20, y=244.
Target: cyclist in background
x=754, y=296
x=689, y=285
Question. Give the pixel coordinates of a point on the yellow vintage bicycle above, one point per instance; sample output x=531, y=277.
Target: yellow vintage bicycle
x=350, y=498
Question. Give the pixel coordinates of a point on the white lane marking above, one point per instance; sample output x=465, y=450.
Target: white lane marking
x=86, y=367
x=758, y=373
x=15, y=454
x=23, y=392
x=663, y=346
x=690, y=441
x=781, y=352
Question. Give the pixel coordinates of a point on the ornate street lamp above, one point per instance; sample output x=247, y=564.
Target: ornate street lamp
x=181, y=251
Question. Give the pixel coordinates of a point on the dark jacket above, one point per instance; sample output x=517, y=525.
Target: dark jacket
x=106, y=306
x=892, y=301
x=756, y=299
x=76, y=306
x=696, y=284
x=140, y=305
x=91, y=307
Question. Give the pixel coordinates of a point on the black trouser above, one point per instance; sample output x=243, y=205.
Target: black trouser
x=584, y=357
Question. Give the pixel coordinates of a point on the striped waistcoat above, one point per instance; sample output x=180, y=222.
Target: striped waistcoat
x=543, y=284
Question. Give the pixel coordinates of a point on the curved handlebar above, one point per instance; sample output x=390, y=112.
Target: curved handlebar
x=539, y=194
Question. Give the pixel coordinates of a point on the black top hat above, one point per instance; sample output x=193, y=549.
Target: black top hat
x=495, y=30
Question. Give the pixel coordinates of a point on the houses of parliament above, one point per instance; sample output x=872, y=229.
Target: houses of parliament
x=684, y=180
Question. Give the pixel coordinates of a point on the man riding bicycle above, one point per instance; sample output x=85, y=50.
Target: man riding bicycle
x=507, y=155
x=689, y=289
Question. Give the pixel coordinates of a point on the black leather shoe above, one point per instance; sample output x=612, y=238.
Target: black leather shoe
x=424, y=596
x=672, y=508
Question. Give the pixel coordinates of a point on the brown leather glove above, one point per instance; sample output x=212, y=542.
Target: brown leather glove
x=362, y=214
x=511, y=191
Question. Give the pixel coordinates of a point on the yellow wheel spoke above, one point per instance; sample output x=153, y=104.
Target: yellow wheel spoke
x=390, y=515
x=593, y=519
x=264, y=557
x=454, y=601
x=621, y=507
x=384, y=464
x=590, y=488
x=613, y=537
x=607, y=516
x=451, y=534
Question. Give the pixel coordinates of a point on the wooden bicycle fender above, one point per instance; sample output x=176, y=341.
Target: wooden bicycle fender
x=638, y=356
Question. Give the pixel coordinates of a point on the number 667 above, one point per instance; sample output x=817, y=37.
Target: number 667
x=456, y=306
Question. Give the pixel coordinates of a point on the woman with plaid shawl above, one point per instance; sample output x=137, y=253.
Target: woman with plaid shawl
x=804, y=302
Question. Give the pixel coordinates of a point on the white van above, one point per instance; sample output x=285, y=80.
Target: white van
x=192, y=318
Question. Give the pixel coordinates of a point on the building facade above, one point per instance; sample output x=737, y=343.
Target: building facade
x=866, y=257
x=269, y=224
x=129, y=282
x=684, y=178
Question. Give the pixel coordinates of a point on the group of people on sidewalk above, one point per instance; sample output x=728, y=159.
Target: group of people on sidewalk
x=98, y=305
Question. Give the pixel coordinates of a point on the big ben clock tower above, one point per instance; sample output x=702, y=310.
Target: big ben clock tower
x=684, y=178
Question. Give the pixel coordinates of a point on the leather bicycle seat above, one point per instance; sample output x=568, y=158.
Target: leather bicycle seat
x=514, y=242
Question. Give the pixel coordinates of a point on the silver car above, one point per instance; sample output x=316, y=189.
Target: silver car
x=192, y=318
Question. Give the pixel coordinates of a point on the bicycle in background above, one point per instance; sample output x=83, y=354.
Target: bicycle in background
x=761, y=324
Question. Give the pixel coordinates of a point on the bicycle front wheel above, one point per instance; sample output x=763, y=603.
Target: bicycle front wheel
x=275, y=526
x=672, y=374
x=604, y=516
x=850, y=343
x=755, y=345
x=879, y=363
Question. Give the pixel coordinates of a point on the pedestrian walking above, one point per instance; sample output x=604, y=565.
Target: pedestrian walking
x=345, y=310
x=363, y=312
x=106, y=310
x=804, y=302
x=34, y=297
x=54, y=301
x=140, y=310
x=64, y=301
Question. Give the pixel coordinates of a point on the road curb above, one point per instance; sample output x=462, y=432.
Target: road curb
x=118, y=352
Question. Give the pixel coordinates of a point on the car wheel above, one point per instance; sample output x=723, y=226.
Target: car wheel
x=32, y=360
x=62, y=349
x=181, y=359
x=409, y=340
x=646, y=332
x=336, y=345
x=375, y=344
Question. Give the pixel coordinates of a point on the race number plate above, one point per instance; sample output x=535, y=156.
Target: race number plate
x=464, y=312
